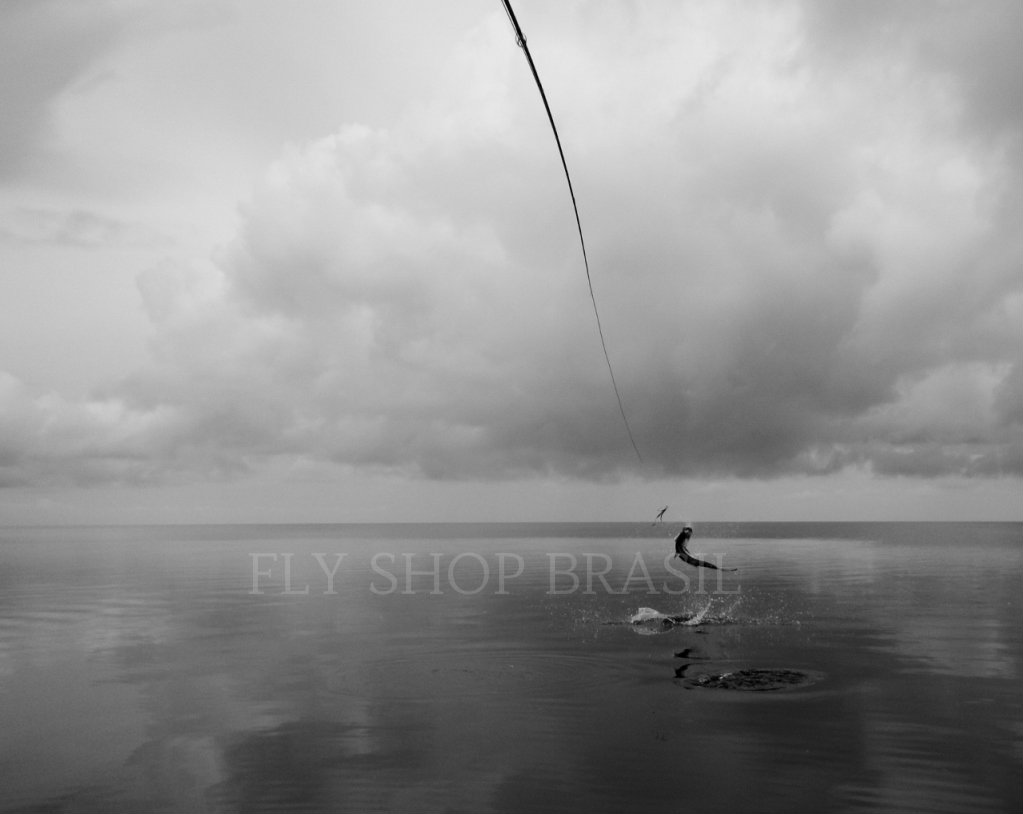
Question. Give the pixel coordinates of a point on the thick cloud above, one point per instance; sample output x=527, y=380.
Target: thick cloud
x=804, y=240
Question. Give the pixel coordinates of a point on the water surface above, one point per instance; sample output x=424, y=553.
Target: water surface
x=249, y=669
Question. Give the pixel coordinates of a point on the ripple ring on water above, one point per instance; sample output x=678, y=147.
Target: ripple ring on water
x=757, y=680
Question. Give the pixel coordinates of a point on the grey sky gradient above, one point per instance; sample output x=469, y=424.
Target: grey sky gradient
x=255, y=243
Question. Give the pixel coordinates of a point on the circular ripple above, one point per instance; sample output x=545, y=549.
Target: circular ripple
x=758, y=680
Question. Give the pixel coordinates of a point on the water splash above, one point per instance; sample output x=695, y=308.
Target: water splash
x=646, y=621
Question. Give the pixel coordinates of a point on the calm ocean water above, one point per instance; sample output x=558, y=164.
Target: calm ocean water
x=511, y=668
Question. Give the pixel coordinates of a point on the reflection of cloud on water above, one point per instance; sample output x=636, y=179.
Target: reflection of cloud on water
x=69, y=723
x=231, y=702
x=478, y=791
x=181, y=769
x=190, y=678
x=311, y=765
x=45, y=622
x=962, y=646
x=6, y=659
x=942, y=603
x=907, y=768
x=122, y=622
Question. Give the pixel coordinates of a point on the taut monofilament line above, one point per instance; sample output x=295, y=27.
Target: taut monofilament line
x=520, y=40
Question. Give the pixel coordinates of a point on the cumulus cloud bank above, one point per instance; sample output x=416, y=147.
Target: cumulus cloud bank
x=803, y=229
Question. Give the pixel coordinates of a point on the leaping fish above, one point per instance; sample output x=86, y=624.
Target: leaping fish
x=683, y=554
x=660, y=516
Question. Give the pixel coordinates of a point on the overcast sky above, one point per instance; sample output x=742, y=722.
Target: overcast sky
x=309, y=260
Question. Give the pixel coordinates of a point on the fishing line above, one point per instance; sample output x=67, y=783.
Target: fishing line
x=520, y=40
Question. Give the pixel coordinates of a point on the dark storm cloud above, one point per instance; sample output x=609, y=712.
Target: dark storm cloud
x=800, y=225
